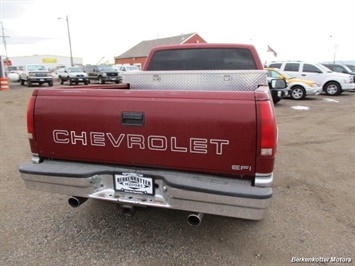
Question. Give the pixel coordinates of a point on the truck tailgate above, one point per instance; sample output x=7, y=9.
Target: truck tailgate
x=196, y=131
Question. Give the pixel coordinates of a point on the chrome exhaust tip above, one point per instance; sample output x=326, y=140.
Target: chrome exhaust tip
x=76, y=201
x=195, y=219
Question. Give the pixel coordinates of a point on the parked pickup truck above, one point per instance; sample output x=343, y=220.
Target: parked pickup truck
x=35, y=74
x=102, y=73
x=200, y=139
x=74, y=75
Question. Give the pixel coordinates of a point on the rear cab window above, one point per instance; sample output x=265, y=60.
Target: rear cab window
x=203, y=59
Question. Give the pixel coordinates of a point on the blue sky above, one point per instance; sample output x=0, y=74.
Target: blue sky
x=297, y=30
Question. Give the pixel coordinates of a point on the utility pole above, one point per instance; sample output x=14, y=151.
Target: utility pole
x=71, y=53
x=4, y=39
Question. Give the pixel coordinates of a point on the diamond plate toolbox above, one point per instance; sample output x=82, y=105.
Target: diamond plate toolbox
x=207, y=80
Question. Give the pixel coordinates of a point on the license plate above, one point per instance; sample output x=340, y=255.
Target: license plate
x=41, y=80
x=134, y=183
x=80, y=79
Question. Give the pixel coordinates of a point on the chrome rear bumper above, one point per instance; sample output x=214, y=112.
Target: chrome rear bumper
x=172, y=189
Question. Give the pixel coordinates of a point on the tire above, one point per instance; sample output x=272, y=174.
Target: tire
x=50, y=83
x=29, y=83
x=332, y=88
x=101, y=81
x=70, y=82
x=22, y=82
x=117, y=81
x=275, y=97
x=61, y=80
x=298, y=93
x=86, y=82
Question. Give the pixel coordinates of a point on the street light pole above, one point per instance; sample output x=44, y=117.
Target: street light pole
x=71, y=53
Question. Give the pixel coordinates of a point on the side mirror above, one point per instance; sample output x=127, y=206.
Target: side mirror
x=278, y=84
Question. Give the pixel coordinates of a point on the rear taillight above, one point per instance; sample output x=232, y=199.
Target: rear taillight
x=267, y=128
x=30, y=120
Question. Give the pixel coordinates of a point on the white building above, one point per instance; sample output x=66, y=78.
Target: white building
x=50, y=61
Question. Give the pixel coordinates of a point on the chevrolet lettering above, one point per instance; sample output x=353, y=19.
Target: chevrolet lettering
x=153, y=142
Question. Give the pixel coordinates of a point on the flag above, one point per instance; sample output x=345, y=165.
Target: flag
x=269, y=49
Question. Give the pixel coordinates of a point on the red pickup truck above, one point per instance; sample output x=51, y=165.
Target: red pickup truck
x=195, y=131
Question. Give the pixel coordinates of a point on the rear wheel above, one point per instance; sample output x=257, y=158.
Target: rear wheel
x=50, y=83
x=298, y=93
x=70, y=82
x=22, y=82
x=86, y=82
x=332, y=88
x=61, y=80
x=29, y=83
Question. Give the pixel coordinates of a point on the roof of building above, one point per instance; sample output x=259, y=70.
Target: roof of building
x=143, y=48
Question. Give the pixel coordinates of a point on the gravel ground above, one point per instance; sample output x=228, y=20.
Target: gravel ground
x=312, y=213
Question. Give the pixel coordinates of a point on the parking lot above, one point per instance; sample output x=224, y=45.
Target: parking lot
x=312, y=214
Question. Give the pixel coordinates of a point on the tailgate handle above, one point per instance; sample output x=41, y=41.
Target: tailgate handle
x=132, y=119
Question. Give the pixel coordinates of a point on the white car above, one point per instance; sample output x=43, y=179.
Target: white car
x=332, y=83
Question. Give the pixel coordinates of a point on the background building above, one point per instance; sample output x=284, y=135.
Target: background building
x=138, y=54
x=50, y=61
